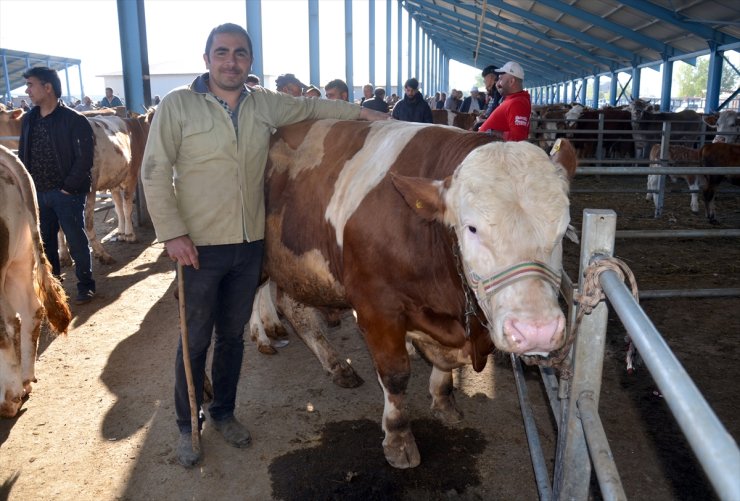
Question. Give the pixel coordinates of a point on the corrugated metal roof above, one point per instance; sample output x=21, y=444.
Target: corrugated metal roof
x=557, y=40
x=17, y=61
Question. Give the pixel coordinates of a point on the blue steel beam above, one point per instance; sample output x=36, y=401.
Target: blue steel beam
x=314, y=46
x=371, y=40
x=682, y=22
x=599, y=21
x=348, y=59
x=254, y=27
x=530, y=44
x=505, y=46
x=135, y=63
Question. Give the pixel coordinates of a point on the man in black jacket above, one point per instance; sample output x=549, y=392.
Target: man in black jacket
x=56, y=146
x=413, y=107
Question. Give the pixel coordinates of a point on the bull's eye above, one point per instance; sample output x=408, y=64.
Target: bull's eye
x=472, y=229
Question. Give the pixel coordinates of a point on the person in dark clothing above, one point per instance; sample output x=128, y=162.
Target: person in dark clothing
x=377, y=102
x=56, y=146
x=413, y=107
x=490, y=77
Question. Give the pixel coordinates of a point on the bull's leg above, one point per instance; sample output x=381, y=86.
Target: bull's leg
x=22, y=299
x=443, y=398
x=115, y=195
x=128, y=211
x=309, y=326
x=92, y=238
x=64, y=258
x=708, y=195
x=394, y=370
x=11, y=386
x=693, y=182
x=264, y=322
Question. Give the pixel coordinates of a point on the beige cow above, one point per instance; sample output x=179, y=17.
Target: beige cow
x=28, y=290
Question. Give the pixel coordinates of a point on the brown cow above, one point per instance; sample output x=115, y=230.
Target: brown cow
x=28, y=290
x=10, y=127
x=647, y=126
x=718, y=155
x=727, y=123
x=456, y=248
x=678, y=156
x=457, y=119
x=616, y=137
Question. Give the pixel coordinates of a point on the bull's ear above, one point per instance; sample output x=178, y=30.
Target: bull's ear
x=423, y=195
x=563, y=153
x=16, y=114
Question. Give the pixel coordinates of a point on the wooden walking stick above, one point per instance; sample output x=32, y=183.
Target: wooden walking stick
x=186, y=359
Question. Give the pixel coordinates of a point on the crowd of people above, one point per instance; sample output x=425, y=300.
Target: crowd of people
x=220, y=258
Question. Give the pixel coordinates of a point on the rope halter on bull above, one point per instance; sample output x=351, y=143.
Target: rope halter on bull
x=587, y=299
x=485, y=287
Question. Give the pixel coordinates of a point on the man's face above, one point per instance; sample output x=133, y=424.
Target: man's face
x=367, y=91
x=409, y=91
x=334, y=94
x=39, y=92
x=229, y=61
x=505, y=84
x=490, y=81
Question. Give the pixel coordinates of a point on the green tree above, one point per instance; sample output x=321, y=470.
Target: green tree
x=692, y=80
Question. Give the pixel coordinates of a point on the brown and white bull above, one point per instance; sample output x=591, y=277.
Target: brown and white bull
x=718, y=155
x=678, y=156
x=727, y=123
x=119, y=148
x=436, y=235
x=28, y=290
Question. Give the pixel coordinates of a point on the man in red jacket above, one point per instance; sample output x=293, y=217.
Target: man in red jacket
x=510, y=120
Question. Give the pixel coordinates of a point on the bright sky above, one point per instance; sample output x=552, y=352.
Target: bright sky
x=88, y=30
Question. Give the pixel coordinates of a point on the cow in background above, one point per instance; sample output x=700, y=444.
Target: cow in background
x=727, y=124
x=583, y=125
x=718, y=155
x=647, y=125
x=678, y=156
x=409, y=239
x=119, y=149
x=10, y=127
x=457, y=119
x=28, y=290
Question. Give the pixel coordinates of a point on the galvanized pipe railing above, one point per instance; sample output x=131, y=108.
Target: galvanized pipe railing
x=715, y=448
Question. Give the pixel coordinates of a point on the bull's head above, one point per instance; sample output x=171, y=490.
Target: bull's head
x=508, y=205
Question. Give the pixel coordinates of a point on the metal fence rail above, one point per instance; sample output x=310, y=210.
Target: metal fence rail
x=582, y=442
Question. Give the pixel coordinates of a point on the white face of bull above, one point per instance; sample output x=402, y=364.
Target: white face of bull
x=509, y=207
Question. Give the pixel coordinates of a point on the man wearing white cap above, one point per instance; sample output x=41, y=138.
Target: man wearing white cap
x=473, y=103
x=510, y=121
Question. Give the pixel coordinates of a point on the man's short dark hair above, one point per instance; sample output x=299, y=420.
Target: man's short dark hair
x=379, y=92
x=228, y=28
x=488, y=70
x=46, y=76
x=338, y=84
x=412, y=83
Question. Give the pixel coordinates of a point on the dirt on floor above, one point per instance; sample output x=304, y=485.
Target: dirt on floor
x=99, y=424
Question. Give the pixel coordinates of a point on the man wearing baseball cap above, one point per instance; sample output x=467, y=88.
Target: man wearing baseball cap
x=510, y=121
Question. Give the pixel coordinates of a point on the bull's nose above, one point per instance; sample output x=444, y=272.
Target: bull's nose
x=528, y=336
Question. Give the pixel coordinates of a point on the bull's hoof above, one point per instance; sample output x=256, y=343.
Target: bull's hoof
x=275, y=330
x=401, y=452
x=446, y=410
x=129, y=237
x=345, y=376
x=105, y=259
x=65, y=261
x=266, y=349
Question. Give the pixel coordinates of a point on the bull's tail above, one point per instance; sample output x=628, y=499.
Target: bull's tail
x=52, y=295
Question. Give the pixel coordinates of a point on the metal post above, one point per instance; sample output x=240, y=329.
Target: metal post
x=572, y=465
